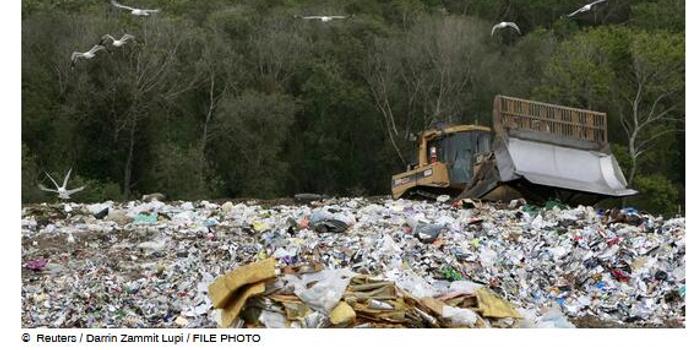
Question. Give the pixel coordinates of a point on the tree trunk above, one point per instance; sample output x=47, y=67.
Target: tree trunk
x=203, y=146
x=129, y=161
x=633, y=156
x=205, y=134
x=633, y=170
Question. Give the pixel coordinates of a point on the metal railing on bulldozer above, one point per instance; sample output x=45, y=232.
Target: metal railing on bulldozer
x=550, y=123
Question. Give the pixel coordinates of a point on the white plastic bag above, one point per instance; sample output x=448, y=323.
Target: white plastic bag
x=272, y=319
x=466, y=287
x=459, y=316
x=322, y=290
x=411, y=283
x=554, y=319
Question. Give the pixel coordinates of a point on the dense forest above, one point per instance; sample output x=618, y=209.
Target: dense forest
x=243, y=98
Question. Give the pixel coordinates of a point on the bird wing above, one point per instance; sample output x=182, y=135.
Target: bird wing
x=65, y=179
x=75, y=190
x=312, y=17
x=114, y=3
x=597, y=2
x=493, y=30
x=127, y=37
x=154, y=11
x=43, y=188
x=514, y=26
x=51, y=178
x=74, y=56
x=338, y=17
x=96, y=48
x=575, y=12
x=104, y=39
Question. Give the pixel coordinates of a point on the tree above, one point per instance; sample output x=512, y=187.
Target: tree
x=659, y=15
x=660, y=195
x=426, y=75
x=251, y=151
x=655, y=102
x=178, y=171
x=234, y=98
x=276, y=47
x=578, y=74
x=519, y=69
x=219, y=69
x=30, y=174
x=638, y=76
x=156, y=75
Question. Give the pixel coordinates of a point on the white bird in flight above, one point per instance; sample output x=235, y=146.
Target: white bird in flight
x=325, y=18
x=586, y=7
x=75, y=56
x=115, y=42
x=505, y=25
x=62, y=191
x=134, y=11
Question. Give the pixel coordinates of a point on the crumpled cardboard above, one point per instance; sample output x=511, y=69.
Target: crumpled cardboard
x=231, y=311
x=491, y=305
x=342, y=314
x=223, y=287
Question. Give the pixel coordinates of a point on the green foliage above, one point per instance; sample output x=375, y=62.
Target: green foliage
x=579, y=73
x=520, y=69
x=256, y=127
x=178, y=172
x=622, y=155
x=529, y=14
x=450, y=274
x=95, y=191
x=30, y=174
x=659, y=14
x=240, y=98
x=657, y=195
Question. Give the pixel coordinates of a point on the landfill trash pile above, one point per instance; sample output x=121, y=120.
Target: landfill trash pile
x=341, y=298
x=152, y=264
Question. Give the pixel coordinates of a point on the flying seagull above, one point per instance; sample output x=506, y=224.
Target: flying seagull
x=115, y=42
x=63, y=193
x=75, y=56
x=134, y=11
x=325, y=18
x=505, y=25
x=586, y=7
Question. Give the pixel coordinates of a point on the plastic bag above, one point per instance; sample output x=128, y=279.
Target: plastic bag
x=413, y=284
x=553, y=319
x=315, y=320
x=428, y=233
x=272, y=319
x=466, y=287
x=459, y=316
x=322, y=290
x=149, y=219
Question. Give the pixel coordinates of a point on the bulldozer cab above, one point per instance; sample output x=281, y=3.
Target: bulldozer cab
x=445, y=161
x=459, y=150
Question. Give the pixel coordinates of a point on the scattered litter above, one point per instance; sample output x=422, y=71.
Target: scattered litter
x=328, y=220
x=443, y=198
x=395, y=263
x=36, y=264
x=146, y=218
x=153, y=197
x=459, y=316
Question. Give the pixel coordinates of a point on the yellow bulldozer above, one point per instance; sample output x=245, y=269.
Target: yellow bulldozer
x=537, y=151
